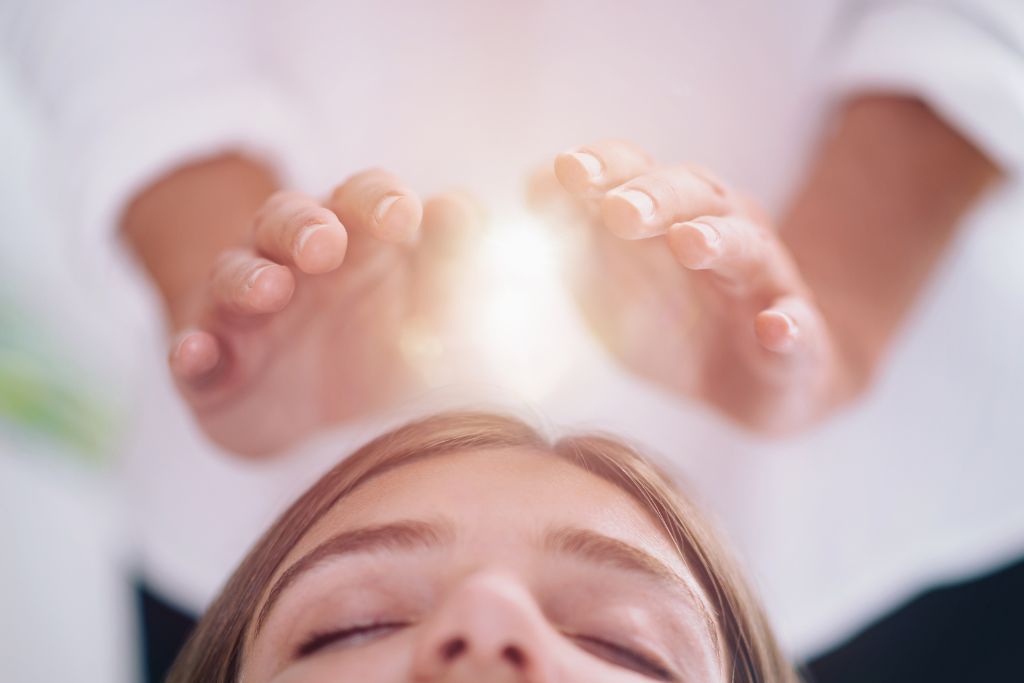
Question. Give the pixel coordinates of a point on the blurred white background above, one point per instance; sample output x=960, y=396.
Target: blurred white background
x=831, y=540
x=65, y=604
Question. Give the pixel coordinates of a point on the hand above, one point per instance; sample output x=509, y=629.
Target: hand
x=304, y=325
x=687, y=284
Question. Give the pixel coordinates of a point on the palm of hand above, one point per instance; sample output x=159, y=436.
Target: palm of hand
x=330, y=355
x=679, y=278
x=282, y=351
x=675, y=327
x=687, y=286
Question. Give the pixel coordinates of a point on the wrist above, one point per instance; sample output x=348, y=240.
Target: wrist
x=179, y=225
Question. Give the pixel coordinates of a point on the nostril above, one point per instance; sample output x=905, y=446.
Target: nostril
x=514, y=656
x=452, y=649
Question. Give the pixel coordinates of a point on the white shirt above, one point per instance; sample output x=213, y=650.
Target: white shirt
x=917, y=483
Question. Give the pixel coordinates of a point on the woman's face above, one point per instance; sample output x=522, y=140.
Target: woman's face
x=494, y=566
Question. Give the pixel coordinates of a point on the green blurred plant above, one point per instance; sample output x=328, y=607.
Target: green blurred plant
x=45, y=394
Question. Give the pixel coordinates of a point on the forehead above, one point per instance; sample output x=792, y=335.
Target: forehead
x=495, y=495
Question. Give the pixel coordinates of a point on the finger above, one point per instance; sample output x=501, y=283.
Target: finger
x=450, y=222
x=543, y=190
x=746, y=257
x=647, y=205
x=194, y=357
x=559, y=210
x=293, y=228
x=375, y=201
x=592, y=169
x=449, y=219
x=792, y=327
x=248, y=284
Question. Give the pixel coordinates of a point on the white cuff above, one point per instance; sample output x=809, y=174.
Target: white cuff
x=970, y=74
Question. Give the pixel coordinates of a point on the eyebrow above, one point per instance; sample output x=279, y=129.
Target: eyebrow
x=407, y=535
x=600, y=549
x=419, y=535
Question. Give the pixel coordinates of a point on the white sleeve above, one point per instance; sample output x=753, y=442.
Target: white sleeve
x=965, y=58
x=125, y=91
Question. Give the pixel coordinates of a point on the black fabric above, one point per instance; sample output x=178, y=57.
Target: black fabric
x=972, y=631
x=165, y=628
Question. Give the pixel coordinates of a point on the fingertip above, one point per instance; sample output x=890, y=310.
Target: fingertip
x=450, y=221
x=269, y=288
x=695, y=244
x=397, y=217
x=474, y=211
x=776, y=331
x=320, y=248
x=453, y=209
x=579, y=172
x=544, y=192
x=193, y=355
x=628, y=213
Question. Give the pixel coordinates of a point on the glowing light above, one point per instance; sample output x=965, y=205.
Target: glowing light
x=508, y=321
x=524, y=249
x=520, y=325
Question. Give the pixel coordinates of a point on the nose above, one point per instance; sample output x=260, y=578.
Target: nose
x=488, y=629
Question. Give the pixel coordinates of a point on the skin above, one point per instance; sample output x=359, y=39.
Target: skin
x=695, y=288
x=691, y=285
x=288, y=312
x=487, y=599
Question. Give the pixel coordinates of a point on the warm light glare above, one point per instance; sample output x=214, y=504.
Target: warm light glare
x=521, y=321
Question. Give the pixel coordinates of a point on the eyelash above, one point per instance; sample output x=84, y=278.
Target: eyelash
x=640, y=663
x=319, y=641
x=634, y=660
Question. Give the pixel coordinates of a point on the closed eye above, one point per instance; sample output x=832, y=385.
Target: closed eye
x=351, y=636
x=628, y=658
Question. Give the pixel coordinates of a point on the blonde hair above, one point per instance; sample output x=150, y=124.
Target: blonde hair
x=213, y=653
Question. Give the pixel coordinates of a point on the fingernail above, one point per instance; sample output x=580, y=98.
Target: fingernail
x=708, y=232
x=696, y=245
x=384, y=206
x=198, y=364
x=590, y=163
x=185, y=338
x=397, y=217
x=306, y=234
x=639, y=200
x=178, y=343
x=250, y=282
x=790, y=323
x=788, y=341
